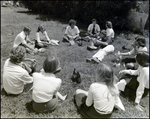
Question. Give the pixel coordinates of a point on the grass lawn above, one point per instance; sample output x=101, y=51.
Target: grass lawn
x=12, y=22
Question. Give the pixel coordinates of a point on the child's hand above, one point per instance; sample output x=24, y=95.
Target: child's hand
x=123, y=72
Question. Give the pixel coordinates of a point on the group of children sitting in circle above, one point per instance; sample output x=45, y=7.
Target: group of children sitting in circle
x=102, y=96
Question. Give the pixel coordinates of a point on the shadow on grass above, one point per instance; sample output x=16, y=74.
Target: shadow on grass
x=3, y=92
x=28, y=12
x=29, y=107
x=46, y=17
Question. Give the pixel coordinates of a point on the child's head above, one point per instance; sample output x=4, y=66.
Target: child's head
x=105, y=74
x=72, y=23
x=108, y=24
x=140, y=41
x=142, y=59
x=94, y=21
x=17, y=54
x=50, y=65
x=27, y=30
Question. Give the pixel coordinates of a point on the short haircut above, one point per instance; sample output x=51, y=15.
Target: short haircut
x=94, y=20
x=27, y=29
x=142, y=59
x=72, y=21
x=141, y=41
x=109, y=24
x=17, y=54
x=50, y=65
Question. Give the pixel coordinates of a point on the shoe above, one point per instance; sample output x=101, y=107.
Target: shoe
x=95, y=60
x=91, y=48
x=88, y=60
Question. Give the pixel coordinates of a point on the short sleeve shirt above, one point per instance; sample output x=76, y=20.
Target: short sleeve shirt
x=72, y=32
x=97, y=28
x=45, y=85
x=20, y=39
x=110, y=32
x=103, y=101
x=14, y=78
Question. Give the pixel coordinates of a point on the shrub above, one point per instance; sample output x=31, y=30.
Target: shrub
x=84, y=11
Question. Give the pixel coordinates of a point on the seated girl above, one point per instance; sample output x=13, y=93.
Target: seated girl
x=102, y=96
x=139, y=45
x=135, y=83
x=71, y=33
x=45, y=87
x=46, y=42
x=15, y=77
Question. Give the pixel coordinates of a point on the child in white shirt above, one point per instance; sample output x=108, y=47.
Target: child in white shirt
x=45, y=87
x=139, y=45
x=102, y=96
x=136, y=82
x=71, y=33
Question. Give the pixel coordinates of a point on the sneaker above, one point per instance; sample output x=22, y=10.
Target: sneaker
x=91, y=48
x=95, y=60
x=88, y=60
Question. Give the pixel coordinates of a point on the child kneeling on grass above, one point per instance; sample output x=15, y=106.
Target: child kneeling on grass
x=16, y=73
x=102, y=96
x=45, y=87
x=135, y=83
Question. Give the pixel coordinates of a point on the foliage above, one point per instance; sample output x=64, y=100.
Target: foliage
x=84, y=11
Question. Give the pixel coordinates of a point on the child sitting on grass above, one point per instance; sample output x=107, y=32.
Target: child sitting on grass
x=45, y=87
x=135, y=83
x=71, y=33
x=106, y=37
x=38, y=41
x=23, y=39
x=102, y=96
x=139, y=45
x=93, y=29
x=16, y=74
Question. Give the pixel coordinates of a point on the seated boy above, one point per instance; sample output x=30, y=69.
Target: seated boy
x=22, y=39
x=71, y=33
x=93, y=29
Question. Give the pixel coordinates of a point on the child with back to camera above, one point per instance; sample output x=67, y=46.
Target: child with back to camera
x=102, y=96
x=135, y=83
x=16, y=73
x=45, y=87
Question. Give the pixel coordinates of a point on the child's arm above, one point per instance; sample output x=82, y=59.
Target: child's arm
x=140, y=90
x=28, y=59
x=60, y=96
x=131, y=72
x=126, y=53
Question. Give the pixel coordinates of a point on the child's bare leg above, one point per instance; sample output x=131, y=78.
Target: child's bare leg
x=45, y=34
x=60, y=96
